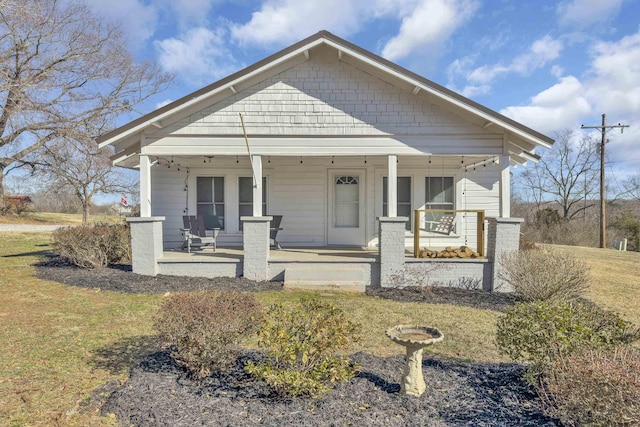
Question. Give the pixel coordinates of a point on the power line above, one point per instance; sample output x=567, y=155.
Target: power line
x=603, y=129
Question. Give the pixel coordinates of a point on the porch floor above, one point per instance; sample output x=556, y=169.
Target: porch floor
x=295, y=254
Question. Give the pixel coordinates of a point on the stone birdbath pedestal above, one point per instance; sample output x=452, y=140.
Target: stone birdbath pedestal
x=415, y=339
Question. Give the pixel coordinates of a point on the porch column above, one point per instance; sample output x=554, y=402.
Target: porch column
x=146, y=244
x=503, y=236
x=256, y=163
x=392, y=186
x=255, y=240
x=391, y=248
x=145, y=186
x=505, y=186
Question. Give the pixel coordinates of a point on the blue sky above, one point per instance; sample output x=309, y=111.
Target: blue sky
x=549, y=64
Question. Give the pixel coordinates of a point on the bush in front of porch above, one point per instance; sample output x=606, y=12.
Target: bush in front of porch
x=301, y=343
x=204, y=329
x=93, y=245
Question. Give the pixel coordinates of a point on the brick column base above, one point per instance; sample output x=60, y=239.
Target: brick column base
x=255, y=240
x=391, y=248
x=503, y=236
x=146, y=244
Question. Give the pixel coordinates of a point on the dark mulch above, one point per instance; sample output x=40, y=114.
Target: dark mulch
x=160, y=393
x=120, y=279
x=497, y=301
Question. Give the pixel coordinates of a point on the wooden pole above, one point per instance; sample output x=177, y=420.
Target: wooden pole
x=603, y=197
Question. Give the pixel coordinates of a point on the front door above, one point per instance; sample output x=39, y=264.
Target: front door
x=346, y=204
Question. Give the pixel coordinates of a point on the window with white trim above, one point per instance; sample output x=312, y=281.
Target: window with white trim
x=210, y=201
x=439, y=195
x=403, y=205
x=245, y=197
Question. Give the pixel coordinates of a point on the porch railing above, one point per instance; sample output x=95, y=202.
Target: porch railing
x=437, y=215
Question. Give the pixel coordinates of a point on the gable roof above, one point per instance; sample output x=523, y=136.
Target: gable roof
x=519, y=133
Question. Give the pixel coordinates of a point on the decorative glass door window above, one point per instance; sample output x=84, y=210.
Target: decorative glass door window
x=347, y=202
x=404, y=198
x=210, y=201
x=245, y=197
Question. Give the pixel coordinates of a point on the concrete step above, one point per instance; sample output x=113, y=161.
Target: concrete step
x=327, y=278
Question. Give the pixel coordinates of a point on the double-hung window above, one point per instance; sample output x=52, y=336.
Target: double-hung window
x=210, y=201
x=245, y=197
x=404, y=198
x=439, y=195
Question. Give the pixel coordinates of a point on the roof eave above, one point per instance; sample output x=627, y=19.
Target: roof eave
x=341, y=45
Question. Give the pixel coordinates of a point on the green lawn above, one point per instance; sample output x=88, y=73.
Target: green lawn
x=60, y=343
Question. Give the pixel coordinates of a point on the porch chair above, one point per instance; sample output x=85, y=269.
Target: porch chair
x=195, y=233
x=274, y=227
x=444, y=225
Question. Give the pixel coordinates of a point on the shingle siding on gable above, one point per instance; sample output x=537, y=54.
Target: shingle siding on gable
x=324, y=98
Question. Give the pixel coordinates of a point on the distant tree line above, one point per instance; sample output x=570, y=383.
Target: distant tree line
x=559, y=197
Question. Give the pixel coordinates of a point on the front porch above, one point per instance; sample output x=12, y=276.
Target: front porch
x=392, y=264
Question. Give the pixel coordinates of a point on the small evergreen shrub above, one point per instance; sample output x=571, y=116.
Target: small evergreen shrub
x=203, y=329
x=594, y=387
x=93, y=245
x=300, y=344
x=539, y=331
x=545, y=274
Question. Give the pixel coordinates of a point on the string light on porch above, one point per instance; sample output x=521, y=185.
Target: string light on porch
x=269, y=160
x=333, y=158
x=300, y=159
x=365, y=160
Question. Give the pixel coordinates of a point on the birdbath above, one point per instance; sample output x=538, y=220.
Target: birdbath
x=415, y=338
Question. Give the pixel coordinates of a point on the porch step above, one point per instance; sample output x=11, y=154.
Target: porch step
x=327, y=278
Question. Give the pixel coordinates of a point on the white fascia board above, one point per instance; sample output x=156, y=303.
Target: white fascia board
x=217, y=90
x=441, y=95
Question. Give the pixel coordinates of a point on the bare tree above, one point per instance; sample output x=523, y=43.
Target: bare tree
x=631, y=187
x=83, y=169
x=62, y=71
x=567, y=175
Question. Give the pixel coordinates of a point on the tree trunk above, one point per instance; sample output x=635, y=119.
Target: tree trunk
x=2, y=204
x=85, y=213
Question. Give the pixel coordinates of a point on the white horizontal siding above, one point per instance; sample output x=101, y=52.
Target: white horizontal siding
x=298, y=192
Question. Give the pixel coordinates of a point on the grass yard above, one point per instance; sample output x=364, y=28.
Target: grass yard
x=55, y=339
x=44, y=218
x=62, y=342
x=615, y=279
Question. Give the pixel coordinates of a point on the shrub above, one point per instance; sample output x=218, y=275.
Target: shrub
x=544, y=274
x=93, y=245
x=594, y=387
x=539, y=331
x=300, y=343
x=203, y=328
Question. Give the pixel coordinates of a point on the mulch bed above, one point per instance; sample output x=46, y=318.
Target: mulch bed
x=120, y=279
x=160, y=393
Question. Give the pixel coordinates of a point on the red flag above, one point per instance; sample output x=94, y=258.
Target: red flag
x=123, y=200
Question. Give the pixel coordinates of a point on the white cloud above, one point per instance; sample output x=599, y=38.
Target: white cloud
x=197, y=56
x=137, y=20
x=558, y=107
x=615, y=85
x=287, y=21
x=611, y=85
x=583, y=13
x=541, y=52
x=428, y=26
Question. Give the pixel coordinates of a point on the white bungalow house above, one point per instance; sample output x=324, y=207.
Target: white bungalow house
x=347, y=147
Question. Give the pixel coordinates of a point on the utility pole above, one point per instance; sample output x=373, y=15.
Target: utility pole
x=603, y=129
